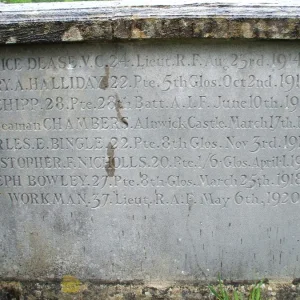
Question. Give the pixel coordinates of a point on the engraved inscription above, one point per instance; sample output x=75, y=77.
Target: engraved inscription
x=159, y=161
x=103, y=125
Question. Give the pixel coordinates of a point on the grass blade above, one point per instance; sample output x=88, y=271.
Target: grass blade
x=213, y=291
x=235, y=295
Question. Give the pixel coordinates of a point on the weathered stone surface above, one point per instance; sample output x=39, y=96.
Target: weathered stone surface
x=174, y=161
x=35, y=290
x=114, y=20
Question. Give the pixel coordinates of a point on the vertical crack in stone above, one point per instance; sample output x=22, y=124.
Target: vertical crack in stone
x=104, y=81
x=196, y=263
x=110, y=165
x=119, y=106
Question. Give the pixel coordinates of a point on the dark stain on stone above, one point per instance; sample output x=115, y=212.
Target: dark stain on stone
x=296, y=281
x=294, y=29
x=104, y=81
x=237, y=283
x=110, y=165
x=129, y=296
x=256, y=32
x=10, y=291
x=119, y=106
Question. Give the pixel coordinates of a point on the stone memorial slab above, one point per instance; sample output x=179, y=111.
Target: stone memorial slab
x=150, y=161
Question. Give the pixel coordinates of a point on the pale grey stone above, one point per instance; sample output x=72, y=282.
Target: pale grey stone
x=150, y=161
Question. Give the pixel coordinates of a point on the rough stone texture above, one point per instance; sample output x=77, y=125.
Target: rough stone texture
x=34, y=290
x=123, y=20
x=43, y=256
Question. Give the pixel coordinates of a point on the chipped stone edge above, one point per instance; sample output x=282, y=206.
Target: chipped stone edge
x=112, y=20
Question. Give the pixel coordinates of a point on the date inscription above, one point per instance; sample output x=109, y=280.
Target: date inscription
x=96, y=126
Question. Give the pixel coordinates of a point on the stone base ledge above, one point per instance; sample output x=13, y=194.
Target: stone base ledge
x=70, y=288
x=123, y=20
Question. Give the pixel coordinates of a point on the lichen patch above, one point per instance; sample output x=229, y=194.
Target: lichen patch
x=11, y=40
x=138, y=34
x=247, y=30
x=72, y=35
x=71, y=285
